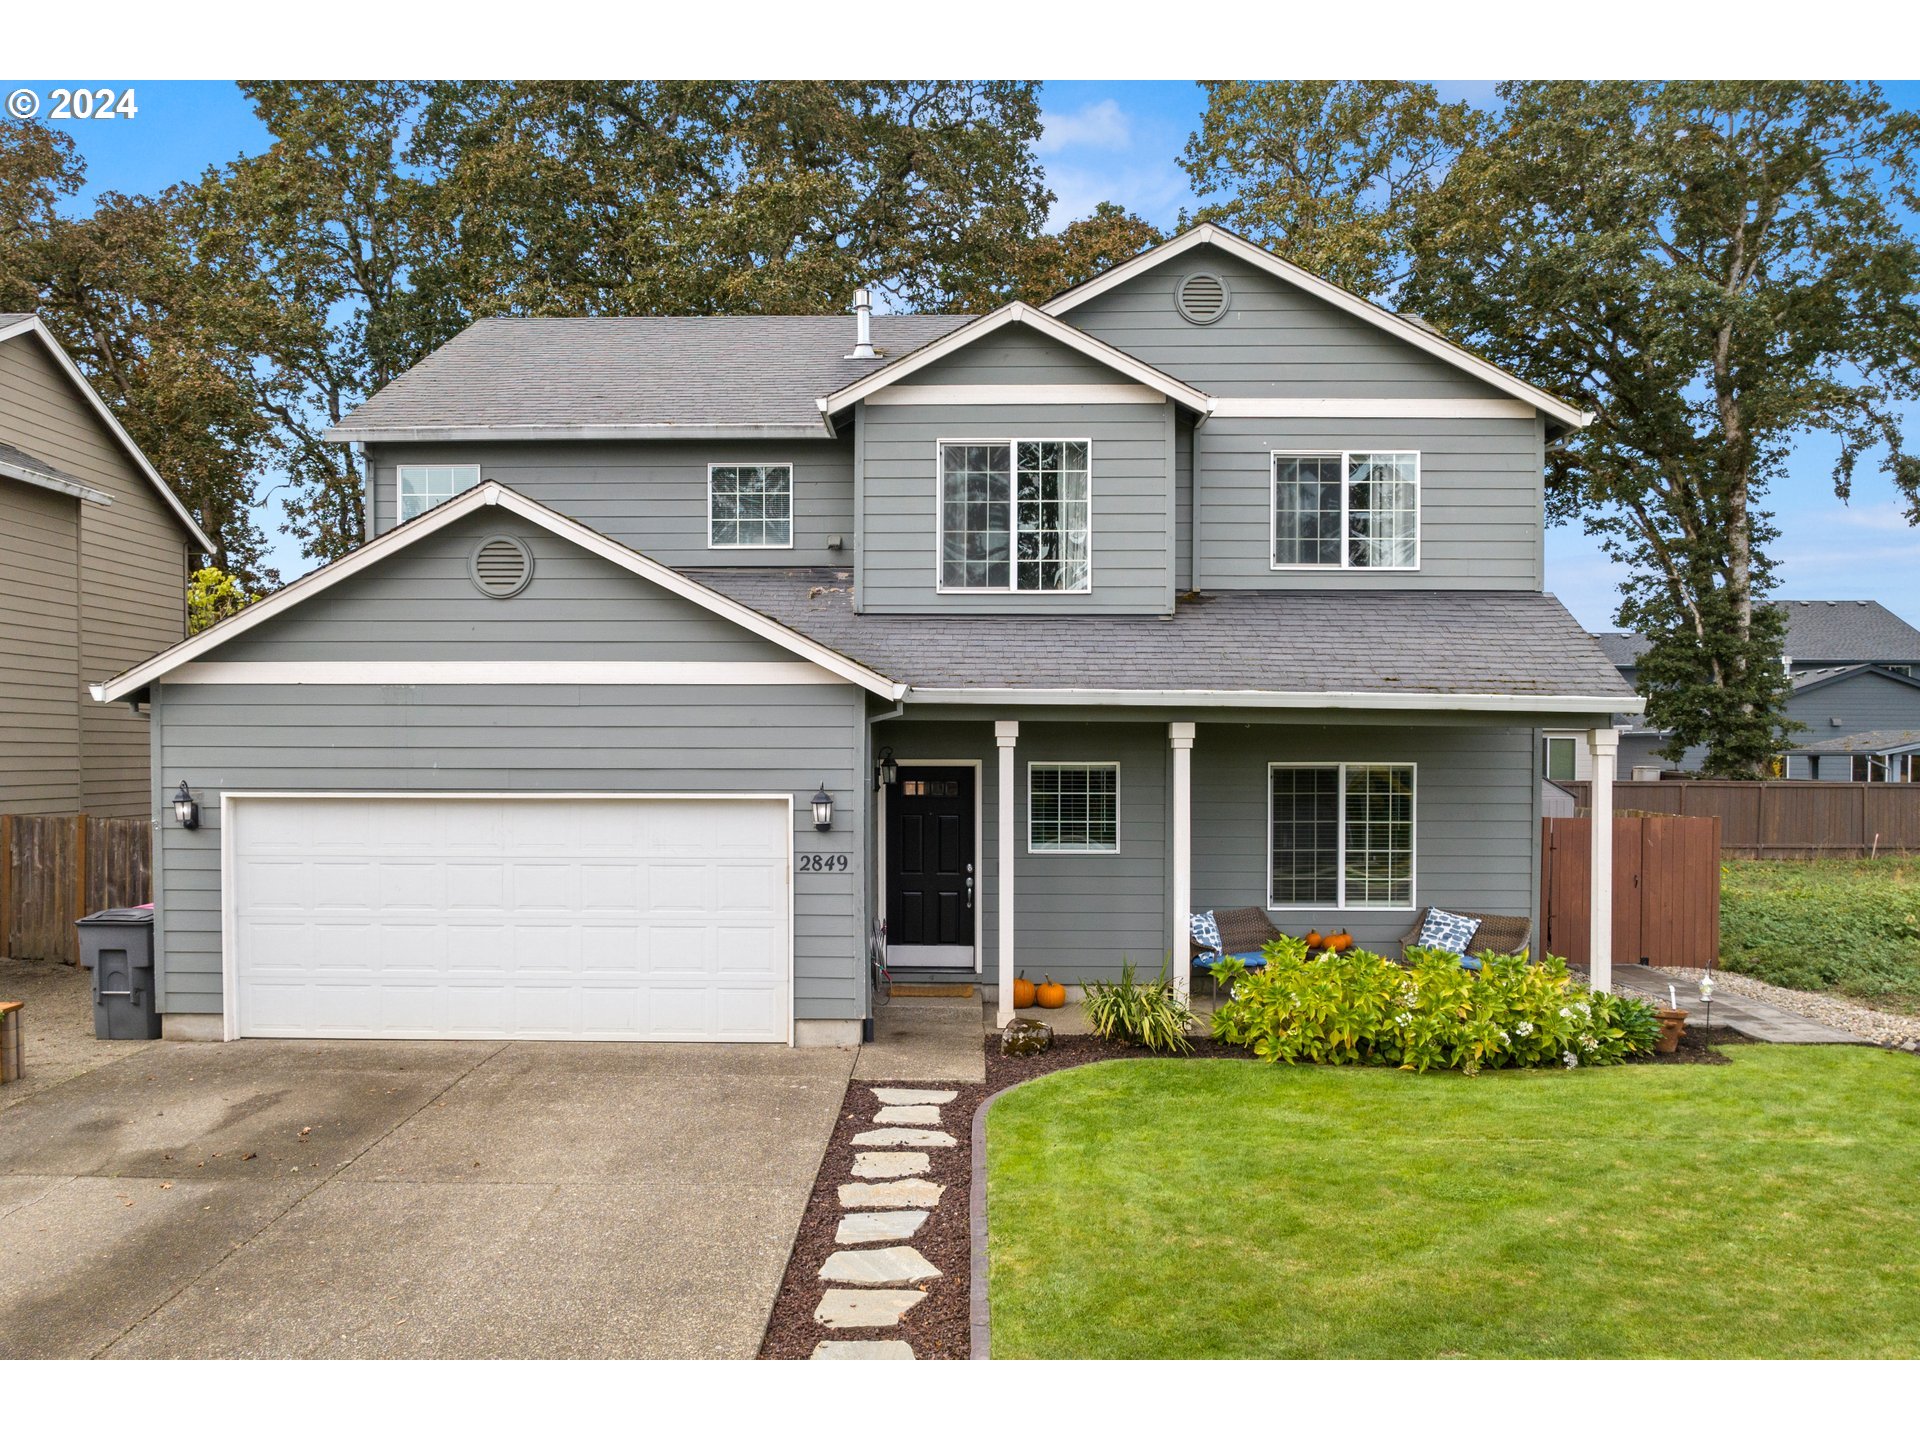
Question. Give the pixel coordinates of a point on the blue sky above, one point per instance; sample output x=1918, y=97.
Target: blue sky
x=1119, y=140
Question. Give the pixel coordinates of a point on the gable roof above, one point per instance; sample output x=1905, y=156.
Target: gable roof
x=15, y=324
x=632, y=377
x=1864, y=742
x=1018, y=313
x=1623, y=647
x=1807, y=680
x=1417, y=335
x=1848, y=630
x=135, y=680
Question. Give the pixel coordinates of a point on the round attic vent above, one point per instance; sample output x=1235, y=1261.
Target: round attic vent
x=501, y=566
x=1201, y=297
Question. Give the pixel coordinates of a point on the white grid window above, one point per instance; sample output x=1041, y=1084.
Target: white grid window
x=750, y=507
x=424, y=486
x=1016, y=515
x=1340, y=836
x=1073, y=807
x=1357, y=510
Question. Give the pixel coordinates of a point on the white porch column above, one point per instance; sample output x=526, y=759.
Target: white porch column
x=1603, y=745
x=1180, y=740
x=1005, y=733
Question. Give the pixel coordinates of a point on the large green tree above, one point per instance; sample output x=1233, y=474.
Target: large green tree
x=1326, y=173
x=1712, y=268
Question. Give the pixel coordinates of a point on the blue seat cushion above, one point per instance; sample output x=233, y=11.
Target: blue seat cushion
x=1252, y=959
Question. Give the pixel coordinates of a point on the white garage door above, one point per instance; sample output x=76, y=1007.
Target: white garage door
x=521, y=918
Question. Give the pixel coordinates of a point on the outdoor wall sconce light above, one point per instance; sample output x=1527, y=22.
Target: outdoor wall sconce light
x=184, y=810
x=886, y=772
x=822, y=808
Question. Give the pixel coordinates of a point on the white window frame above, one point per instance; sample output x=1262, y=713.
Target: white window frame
x=1113, y=765
x=792, y=517
x=1547, y=742
x=1340, y=868
x=400, y=517
x=940, y=520
x=1346, y=513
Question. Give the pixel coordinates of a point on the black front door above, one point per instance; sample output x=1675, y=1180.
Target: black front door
x=930, y=880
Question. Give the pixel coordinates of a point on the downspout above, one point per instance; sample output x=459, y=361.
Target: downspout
x=879, y=849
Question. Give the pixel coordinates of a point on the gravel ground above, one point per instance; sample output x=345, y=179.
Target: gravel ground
x=1883, y=1027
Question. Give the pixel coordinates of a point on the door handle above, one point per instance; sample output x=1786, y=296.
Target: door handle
x=969, y=887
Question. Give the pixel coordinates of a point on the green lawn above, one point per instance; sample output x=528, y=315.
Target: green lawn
x=1852, y=926
x=1768, y=1207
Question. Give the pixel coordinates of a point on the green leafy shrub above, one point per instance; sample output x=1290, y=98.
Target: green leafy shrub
x=1361, y=1008
x=1150, y=1014
x=1851, y=926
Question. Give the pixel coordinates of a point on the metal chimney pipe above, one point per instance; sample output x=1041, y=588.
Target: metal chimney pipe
x=862, y=326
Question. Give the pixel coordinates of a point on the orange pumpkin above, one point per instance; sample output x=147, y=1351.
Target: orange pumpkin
x=1050, y=995
x=1022, y=992
x=1313, y=939
x=1341, y=943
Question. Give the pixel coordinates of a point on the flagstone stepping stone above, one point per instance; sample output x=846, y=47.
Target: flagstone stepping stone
x=919, y=1139
x=913, y=1097
x=867, y=1226
x=863, y=1350
x=864, y=1309
x=889, y=1164
x=890, y=1195
x=895, y=1265
x=907, y=1115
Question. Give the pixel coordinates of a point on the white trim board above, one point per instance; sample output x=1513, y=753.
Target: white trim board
x=1365, y=408
x=1344, y=300
x=32, y=324
x=1018, y=395
x=1017, y=314
x=501, y=672
x=664, y=430
x=493, y=493
x=979, y=855
x=1287, y=700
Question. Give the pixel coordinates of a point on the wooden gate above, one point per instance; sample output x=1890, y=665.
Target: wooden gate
x=56, y=868
x=1666, y=889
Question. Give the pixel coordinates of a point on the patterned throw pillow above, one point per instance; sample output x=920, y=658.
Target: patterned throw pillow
x=1444, y=930
x=1206, y=931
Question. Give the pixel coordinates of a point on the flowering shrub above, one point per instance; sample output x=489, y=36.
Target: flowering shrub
x=1361, y=1008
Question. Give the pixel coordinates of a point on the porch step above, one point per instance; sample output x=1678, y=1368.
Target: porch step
x=915, y=991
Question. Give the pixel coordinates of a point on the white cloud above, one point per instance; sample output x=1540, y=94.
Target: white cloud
x=1102, y=125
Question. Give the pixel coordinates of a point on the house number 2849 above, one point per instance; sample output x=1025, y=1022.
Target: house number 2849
x=823, y=862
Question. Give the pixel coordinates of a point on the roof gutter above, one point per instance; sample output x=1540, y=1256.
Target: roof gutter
x=405, y=434
x=1290, y=700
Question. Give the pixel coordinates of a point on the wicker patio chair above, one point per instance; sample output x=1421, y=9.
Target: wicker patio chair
x=1500, y=934
x=1242, y=932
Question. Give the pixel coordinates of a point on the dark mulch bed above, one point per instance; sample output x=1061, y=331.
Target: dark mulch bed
x=938, y=1327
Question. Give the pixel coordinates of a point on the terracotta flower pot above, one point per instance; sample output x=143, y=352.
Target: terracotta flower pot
x=1673, y=1024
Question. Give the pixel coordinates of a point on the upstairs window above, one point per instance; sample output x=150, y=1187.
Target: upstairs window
x=1346, y=510
x=1016, y=515
x=424, y=486
x=750, y=507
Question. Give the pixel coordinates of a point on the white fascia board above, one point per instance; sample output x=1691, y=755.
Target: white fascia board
x=59, y=484
x=1345, y=300
x=491, y=492
x=502, y=672
x=1289, y=700
x=33, y=324
x=1370, y=408
x=1017, y=313
x=1018, y=395
x=347, y=432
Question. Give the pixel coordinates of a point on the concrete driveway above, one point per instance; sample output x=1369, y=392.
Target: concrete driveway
x=369, y=1199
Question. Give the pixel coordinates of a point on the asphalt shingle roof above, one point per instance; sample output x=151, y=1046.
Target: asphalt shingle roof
x=747, y=371
x=1831, y=633
x=1478, y=642
x=1623, y=647
x=13, y=455
x=1863, y=742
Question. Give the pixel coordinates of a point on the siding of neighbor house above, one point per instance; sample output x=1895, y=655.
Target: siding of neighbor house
x=40, y=661
x=132, y=567
x=1860, y=702
x=1080, y=916
x=652, y=495
x=419, y=604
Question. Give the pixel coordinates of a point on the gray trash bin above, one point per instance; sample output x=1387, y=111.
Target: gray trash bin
x=117, y=945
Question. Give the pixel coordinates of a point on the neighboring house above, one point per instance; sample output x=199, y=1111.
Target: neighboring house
x=1855, y=668
x=95, y=552
x=1205, y=584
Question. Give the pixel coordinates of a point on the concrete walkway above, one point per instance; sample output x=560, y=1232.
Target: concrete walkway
x=920, y=1038
x=1743, y=1014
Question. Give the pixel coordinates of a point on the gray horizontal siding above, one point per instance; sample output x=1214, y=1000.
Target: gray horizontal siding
x=652, y=495
x=1015, y=355
x=1275, y=340
x=1481, y=502
x=1132, y=482
x=532, y=739
x=40, y=660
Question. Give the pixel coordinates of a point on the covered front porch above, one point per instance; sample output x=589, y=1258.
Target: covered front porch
x=1122, y=823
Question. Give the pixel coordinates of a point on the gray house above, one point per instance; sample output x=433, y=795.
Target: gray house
x=1855, y=668
x=95, y=551
x=688, y=653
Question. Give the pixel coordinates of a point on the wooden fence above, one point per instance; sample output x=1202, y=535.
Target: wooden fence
x=1782, y=819
x=56, y=868
x=1666, y=889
